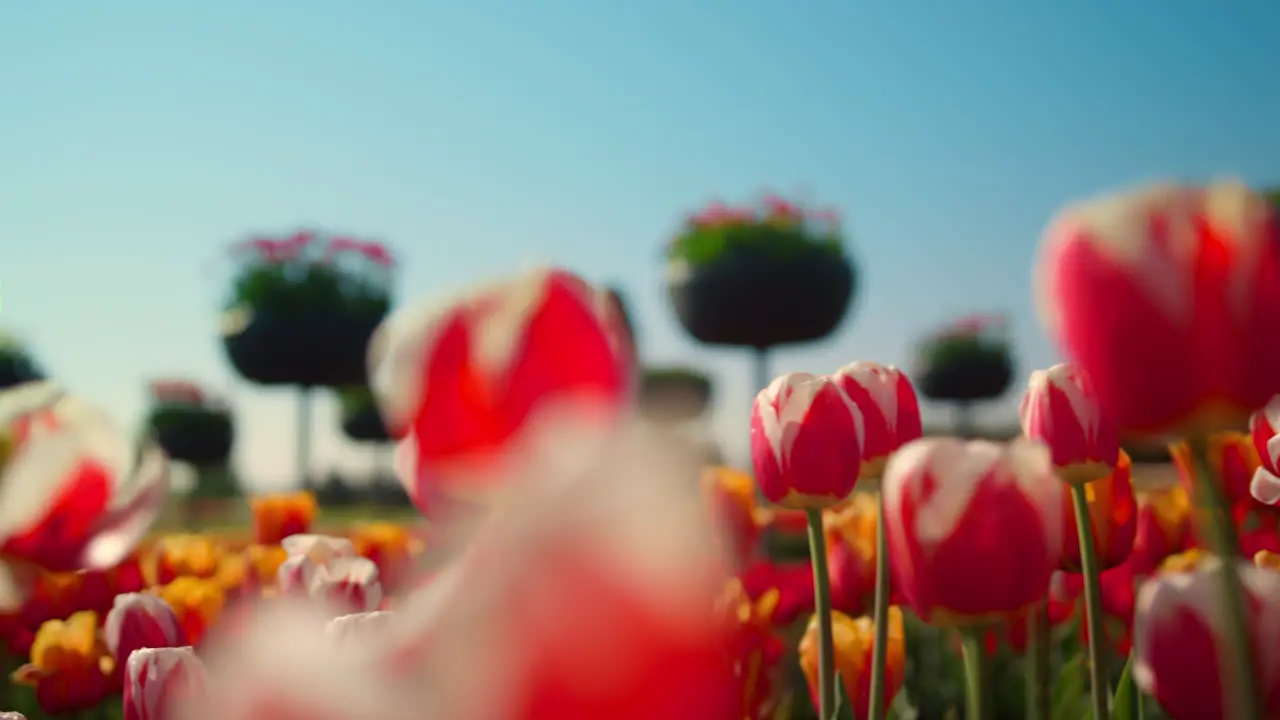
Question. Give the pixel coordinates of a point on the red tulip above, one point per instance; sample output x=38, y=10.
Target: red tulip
x=141, y=620
x=72, y=496
x=471, y=382
x=1168, y=298
x=890, y=411
x=1113, y=517
x=974, y=528
x=1264, y=426
x=1060, y=411
x=1176, y=636
x=157, y=680
x=806, y=441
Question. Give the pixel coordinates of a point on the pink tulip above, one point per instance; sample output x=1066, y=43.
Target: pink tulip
x=1177, y=630
x=974, y=528
x=1168, y=298
x=72, y=494
x=307, y=554
x=472, y=381
x=890, y=411
x=141, y=620
x=806, y=441
x=1059, y=410
x=158, y=680
x=348, y=583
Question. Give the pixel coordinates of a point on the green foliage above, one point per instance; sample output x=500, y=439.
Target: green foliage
x=704, y=244
x=293, y=288
x=1127, y=704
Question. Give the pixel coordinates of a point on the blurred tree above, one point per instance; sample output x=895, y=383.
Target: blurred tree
x=968, y=362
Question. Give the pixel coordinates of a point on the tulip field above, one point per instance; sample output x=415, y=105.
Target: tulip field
x=574, y=561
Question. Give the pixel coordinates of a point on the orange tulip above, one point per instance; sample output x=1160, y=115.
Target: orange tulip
x=731, y=495
x=1113, y=516
x=55, y=595
x=1267, y=560
x=196, y=601
x=854, y=640
x=756, y=649
x=70, y=665
x=1163, y=527
x=175, y=556
x=1234, y=460
x=276, y=517
x=265, y=560
x=851, y=553
x=390, y=546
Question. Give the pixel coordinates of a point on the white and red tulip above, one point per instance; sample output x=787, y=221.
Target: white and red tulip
x=806, y=441
x=1059, y=409
x=141, y=620
x=159, y=682
x=890, y=410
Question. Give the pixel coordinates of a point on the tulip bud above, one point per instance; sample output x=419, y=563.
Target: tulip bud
x=306, y=555
x=1177, y=631
x=157, y=680
x=141, y=620
x=806, y=441
x=348, y=583
x=1059, y=410
x=974, y=528
x=854, y=641
x=890, y=410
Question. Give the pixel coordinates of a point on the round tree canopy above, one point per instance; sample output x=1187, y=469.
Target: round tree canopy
x=968, y=361
x=774, y=225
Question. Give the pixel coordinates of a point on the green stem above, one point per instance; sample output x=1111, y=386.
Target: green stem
x=880, y=616
x=975, y=674
x=1037, y=663
x=822, y=606
x=1225, y=544
x=1092, y=602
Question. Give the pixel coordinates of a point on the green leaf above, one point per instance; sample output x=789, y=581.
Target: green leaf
x=1127, y=704
x=1071, y=691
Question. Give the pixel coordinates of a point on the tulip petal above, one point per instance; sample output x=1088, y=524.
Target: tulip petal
x=1265, y=487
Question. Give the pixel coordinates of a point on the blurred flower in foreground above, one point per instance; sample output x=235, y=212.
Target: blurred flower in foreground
x=806, y=441
x=1113, y=516
x=12, y=715
x=141, y=620
x=1059, y=409
x=956, y=511
x=468, y=379
x=1175, y=639
x=74, y=494
x=590, y=595
x=70, y=666
x=276, y=517
x=350, y=584
x=359, y=624
x=158, y=680
x=1167, y=297
x=282, y=666
x=854, y=640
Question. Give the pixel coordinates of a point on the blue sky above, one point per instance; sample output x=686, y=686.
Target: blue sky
x=139, y=137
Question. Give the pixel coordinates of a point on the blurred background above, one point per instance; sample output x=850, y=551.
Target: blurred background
x=140, y=138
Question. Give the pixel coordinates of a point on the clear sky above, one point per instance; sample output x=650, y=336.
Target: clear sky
x=139, y=137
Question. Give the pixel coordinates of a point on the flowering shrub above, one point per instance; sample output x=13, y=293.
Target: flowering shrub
x=306, y=272
x=775, y=226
